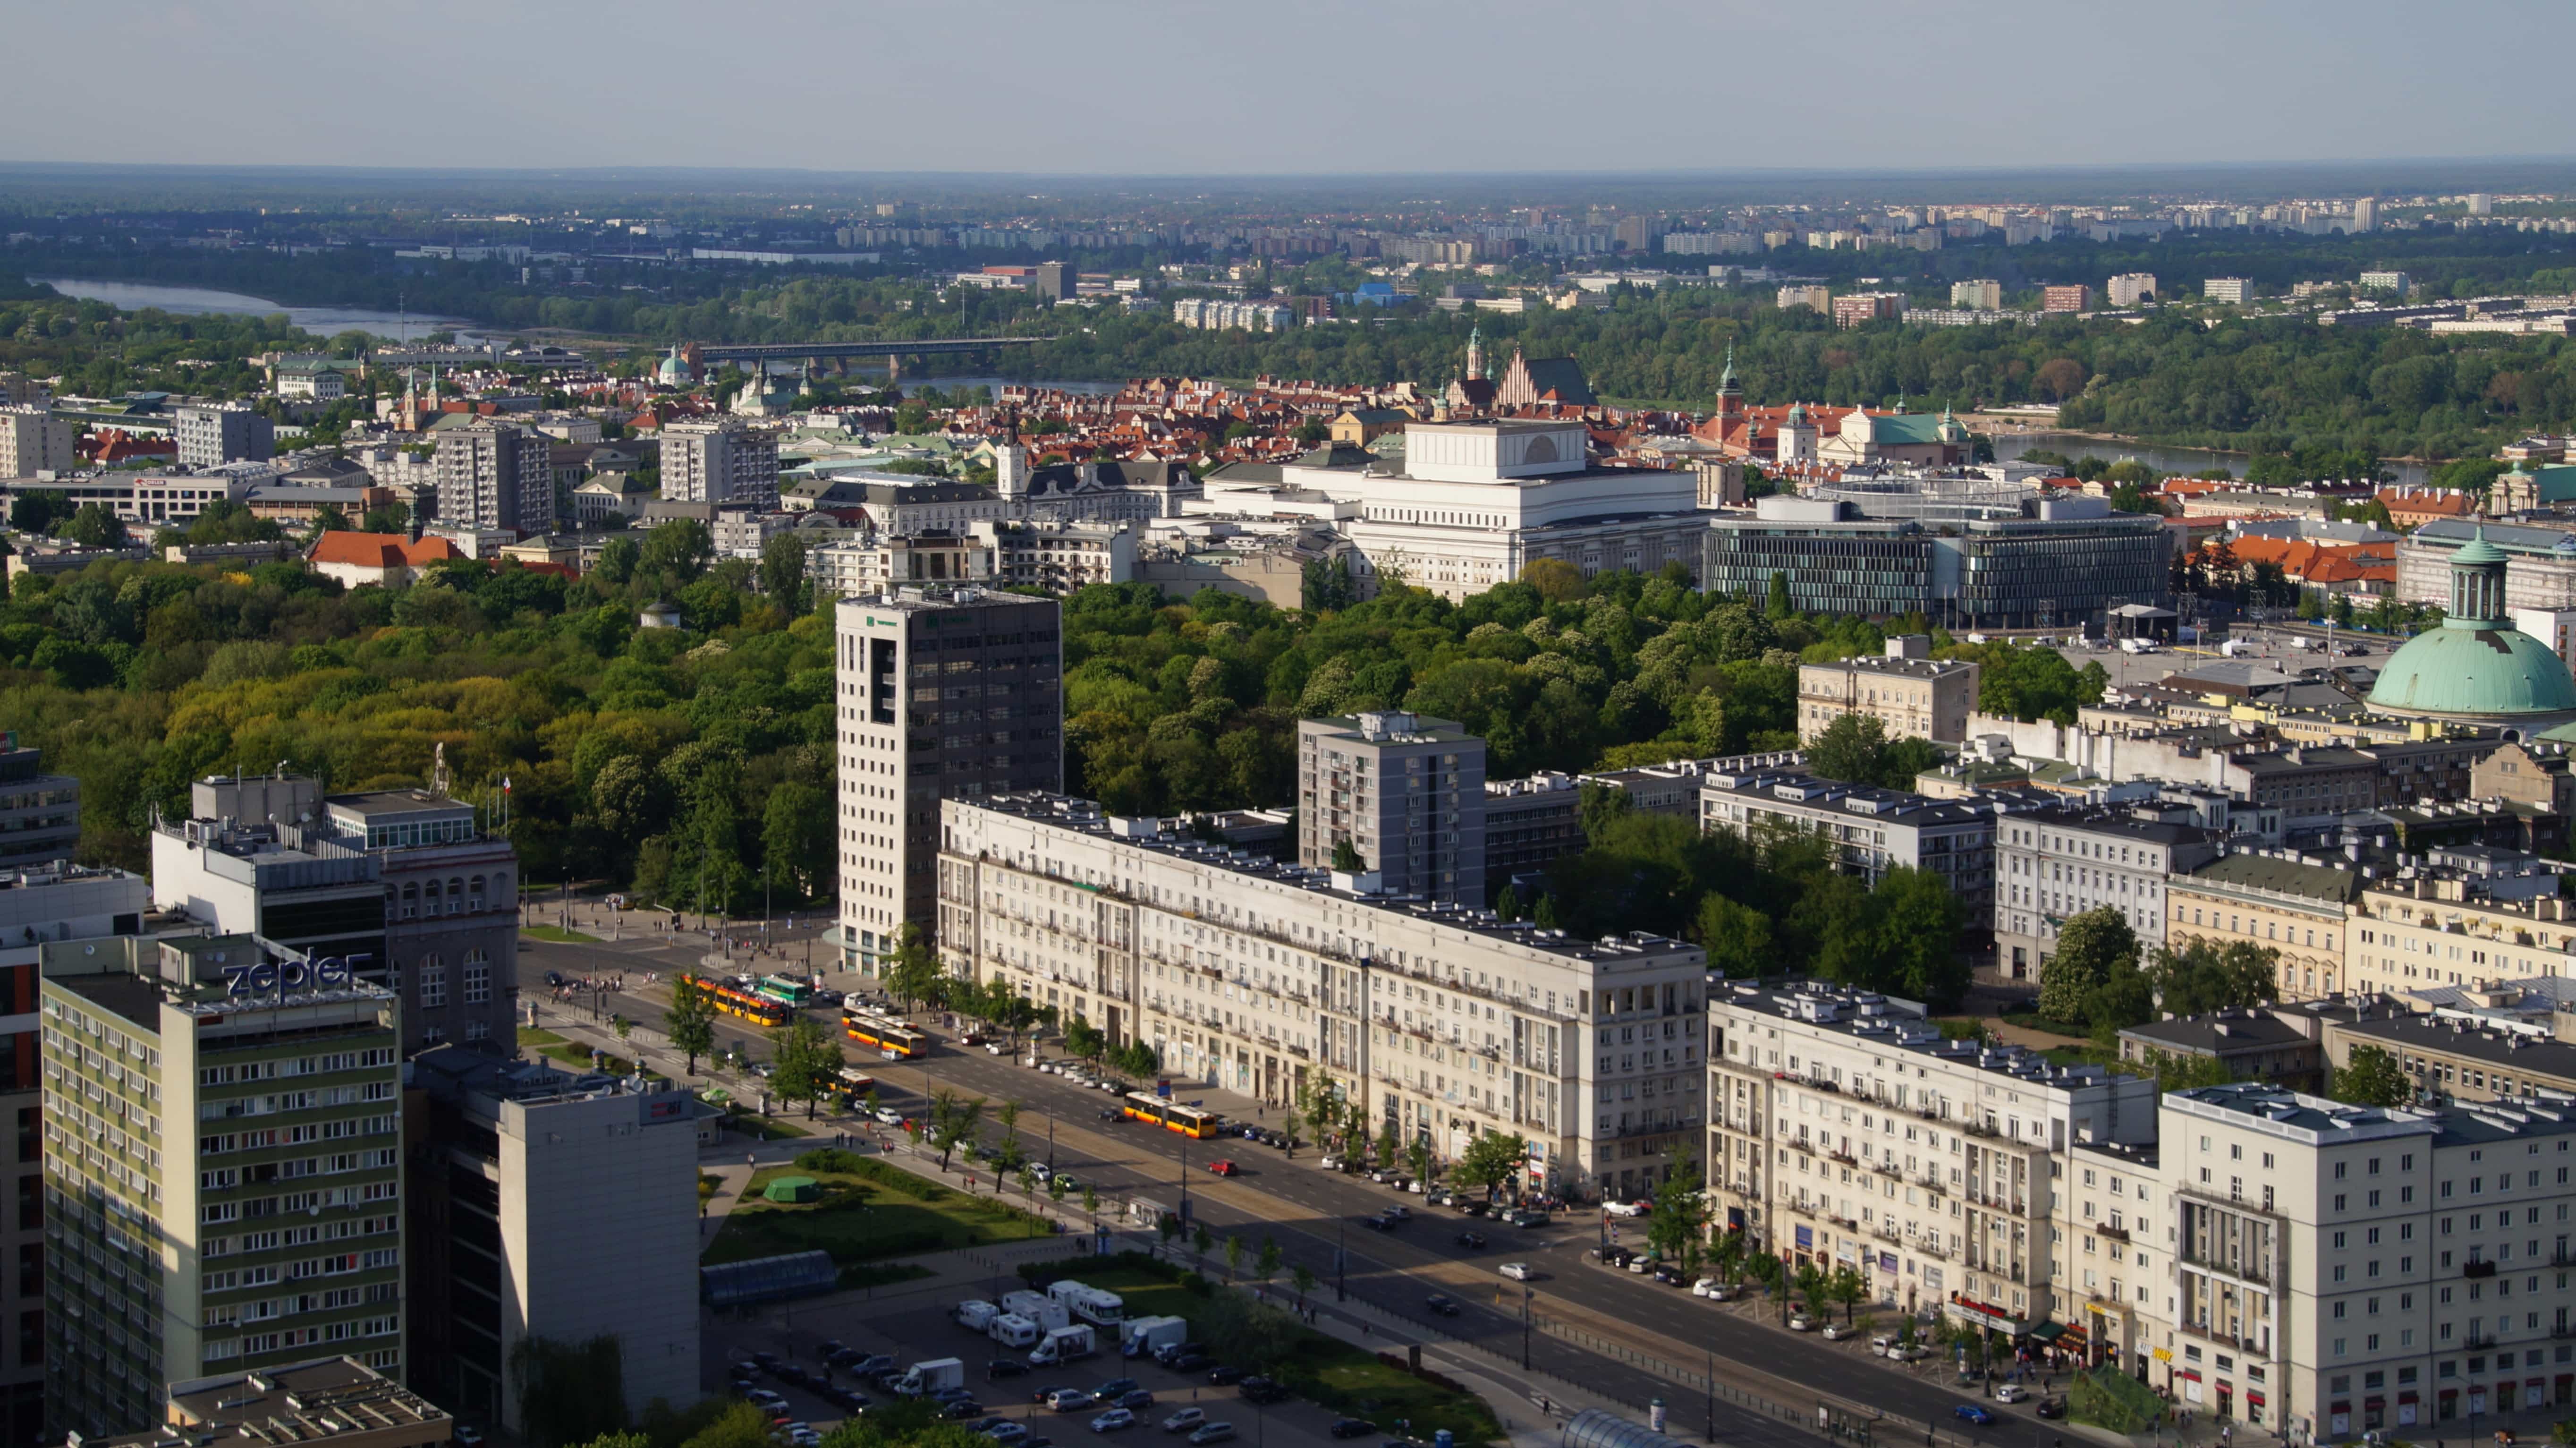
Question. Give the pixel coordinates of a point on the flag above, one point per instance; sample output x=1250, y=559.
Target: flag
x=505, y=784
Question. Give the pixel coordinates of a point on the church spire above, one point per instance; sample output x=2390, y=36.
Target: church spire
x=1475, y=354
x=1727, y=386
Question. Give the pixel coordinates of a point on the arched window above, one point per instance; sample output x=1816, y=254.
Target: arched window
x=433, y=982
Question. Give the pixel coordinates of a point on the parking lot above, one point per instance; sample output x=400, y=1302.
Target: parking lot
x=924, y=1329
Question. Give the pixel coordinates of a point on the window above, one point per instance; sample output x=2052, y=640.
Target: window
x=433, y=982
x=478, y=977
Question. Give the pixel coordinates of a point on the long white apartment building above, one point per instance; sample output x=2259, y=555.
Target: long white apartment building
x=1255, y=975
x=2330, y=1270
x=1844, y=1130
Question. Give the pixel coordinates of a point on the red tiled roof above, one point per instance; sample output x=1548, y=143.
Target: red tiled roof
x=382, y=550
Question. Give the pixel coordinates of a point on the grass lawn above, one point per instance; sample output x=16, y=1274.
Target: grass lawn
x=1326, y=1369
x=2034, y=1021
x=863, y=1218
x=2086, y=1056
x=538, y=1037
x=558, y=935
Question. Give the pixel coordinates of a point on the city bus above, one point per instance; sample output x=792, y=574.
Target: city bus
x=1171, y=1115
x=751, y=1006
x=786, y=990
x=893, y=1041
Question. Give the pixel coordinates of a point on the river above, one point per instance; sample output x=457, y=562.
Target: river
x=203, y=301
x=2164, y=459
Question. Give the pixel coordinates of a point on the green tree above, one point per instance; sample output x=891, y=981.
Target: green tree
x=1346, y=858
x=807, y=1062
x=915, y=975
x=2090, y=945
x=2371, y=1077
x=691, y=1019
x=1085, y=1040
x=1507, y=903
x=1778, y=606
x=1490, y=1161
x=782, y=571
x=1847, y=1287
x=94, y=525
x=953, y=1120
x=796, y=844
x=569, y=1392
x=1737, y=937
x=678, y=550
x=1266, y=1266
x=1233, y=1256
x=1678, y=1221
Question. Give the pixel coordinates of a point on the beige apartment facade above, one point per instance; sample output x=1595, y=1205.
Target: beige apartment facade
x=2297, y=909
x=1274, y=980
x=1912, y=698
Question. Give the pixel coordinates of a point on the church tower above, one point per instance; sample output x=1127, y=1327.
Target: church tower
x=1730, y=393
x=1011, y=464
x=1797, y=437
x=1475, y=355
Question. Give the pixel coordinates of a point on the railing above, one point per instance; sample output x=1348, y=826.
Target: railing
x=2475, y=1268
x=2116, y=1234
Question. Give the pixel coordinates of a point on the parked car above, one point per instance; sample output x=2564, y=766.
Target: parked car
x=1352, y=1427
x=1837, y=1331
x=1668, y=1275
x=1212, y=1433
x=1527, y=1218
x=1801, y=1322
x=1712, y=1289
x=1006, y=1368
x=2012, y=1393
x=1136, y=1400
x=1329, y=1162
x=1970, y=1412
x=470, y=1436
x=963, y=1408
x=1184, y=1420
x=1259, y=1390
x=1112, y=1390
x=1113, y=1420
x=1069, y=1400
x=2051, y=1408
x=1226, y=1376
x=1626, y=1209
x=1441, y=1303
x=1008, y=1434
x=1190, y=1362
x=1517, y=1271
x=888, y=1116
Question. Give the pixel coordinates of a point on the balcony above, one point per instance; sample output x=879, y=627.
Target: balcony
x=1845, y=1158
x=1888, y=1169
x=2116, y=1234
x=2480, y=1337
x=2475, y=1268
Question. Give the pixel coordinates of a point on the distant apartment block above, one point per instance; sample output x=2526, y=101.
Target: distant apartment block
x=2236, y=291
x=2130, y=288
x=1857, y=309
x=1804, y=296
x=2387, y=281
x=1982, y=295
x=33, y=440
x=209, y=437
x=720, y=460
x=1405, y=791
x=1211, y=315
x=1910, y=697
x=2075, y=298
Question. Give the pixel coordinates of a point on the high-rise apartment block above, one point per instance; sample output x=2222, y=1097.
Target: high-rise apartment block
x=209, y=437
x=2479, y=203
x=953, y=693
x=1911, y=696
x=522, y=1172
x=33, y=440
x=1854, y=309
x=223, y=1170
x=1440, y=1022
x=720, y=460
x=494, y=475
x=1986, y=296
x=2074, y=298
x=2130, y=288
x=2365, y=214
x=405, y=883
x=1052, y=281
x=2387, y=281
x=39, y=812
x=1405, y=792
x=41, y=911
x=2235, y=290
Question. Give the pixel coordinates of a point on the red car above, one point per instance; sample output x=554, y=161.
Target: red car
x=1222, y=1168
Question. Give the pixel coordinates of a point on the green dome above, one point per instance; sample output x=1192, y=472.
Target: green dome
x=2478, y=550
x=2476, y=669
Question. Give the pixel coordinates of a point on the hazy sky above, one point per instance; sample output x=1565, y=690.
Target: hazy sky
x=1310, y=86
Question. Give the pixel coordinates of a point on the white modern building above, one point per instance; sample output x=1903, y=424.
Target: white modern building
x=2235, y=290
x=1255, y=976
x=492, y=475
x=528, y=1169
x=2130, y=288
x=33, y=440
x=1471, y=504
